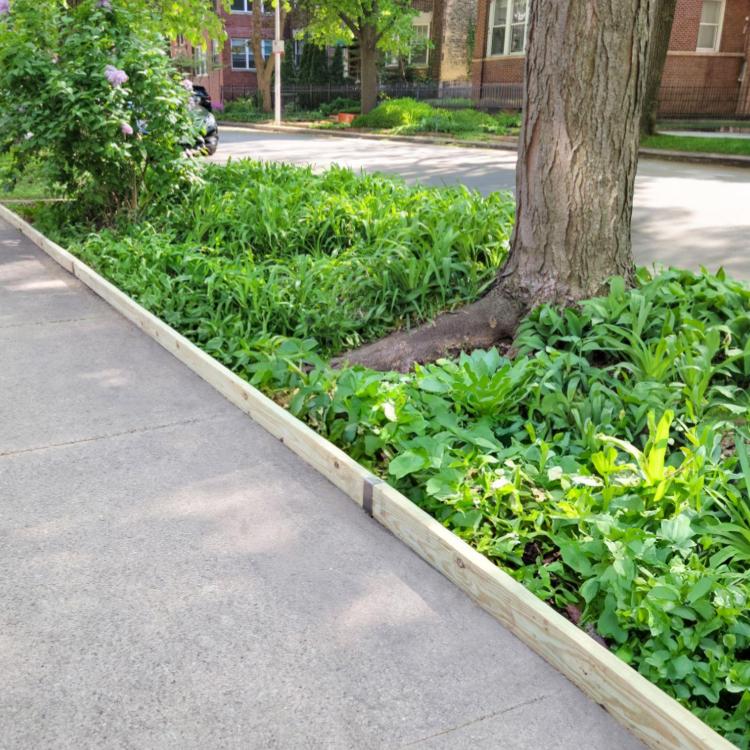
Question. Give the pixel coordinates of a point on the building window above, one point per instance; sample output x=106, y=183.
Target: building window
x=244, y=6
x=200, y=61
x=215, y=53
x=507, y=27
x=242, y=53
x=180, y=40
x=709, y=31
x=420, y=52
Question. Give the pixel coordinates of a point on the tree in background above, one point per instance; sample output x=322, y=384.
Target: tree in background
x=264, y=66
x=376, y=26
x=289, y=72
x=657, y=57
x=90, y=86
x=336, y=70
x=585, y=83
x=313, y=67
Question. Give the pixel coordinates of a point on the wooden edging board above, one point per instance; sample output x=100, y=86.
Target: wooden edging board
x=648, y=712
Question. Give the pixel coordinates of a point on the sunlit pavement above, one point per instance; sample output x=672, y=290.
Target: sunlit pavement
x=687, y=215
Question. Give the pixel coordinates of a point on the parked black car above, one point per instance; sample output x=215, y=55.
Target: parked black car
x=208, y=138
x=202, y=95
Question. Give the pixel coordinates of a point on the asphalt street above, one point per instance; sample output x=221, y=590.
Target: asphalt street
x=686, y=215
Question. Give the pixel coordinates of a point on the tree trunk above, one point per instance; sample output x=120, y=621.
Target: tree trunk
x=368, y=67
x=264, y=74
x=657, y=57
x=263, y=68
x=578, y=152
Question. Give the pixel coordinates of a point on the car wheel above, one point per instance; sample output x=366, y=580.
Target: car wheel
x=211, y=144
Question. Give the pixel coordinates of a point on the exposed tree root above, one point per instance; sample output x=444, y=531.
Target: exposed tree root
x=479, y=325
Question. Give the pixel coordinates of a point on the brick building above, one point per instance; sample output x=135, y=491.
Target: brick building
x=449, y=26
x=707, y=63
x=230, y=68
x=232, y=64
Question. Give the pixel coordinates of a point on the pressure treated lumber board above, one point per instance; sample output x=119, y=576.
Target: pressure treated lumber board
x=644, y=709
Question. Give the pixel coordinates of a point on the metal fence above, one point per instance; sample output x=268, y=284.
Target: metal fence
x=492, y=96
x=704, y=101
x=674, y=101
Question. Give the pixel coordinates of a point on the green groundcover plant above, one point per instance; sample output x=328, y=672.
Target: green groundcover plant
x=412, y=116
x=605, y=466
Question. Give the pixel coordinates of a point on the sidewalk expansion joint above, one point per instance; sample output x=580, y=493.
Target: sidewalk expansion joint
x=96, y=438
x=479, y=719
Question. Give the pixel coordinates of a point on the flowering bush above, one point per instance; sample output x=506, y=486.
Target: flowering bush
x=90, y=87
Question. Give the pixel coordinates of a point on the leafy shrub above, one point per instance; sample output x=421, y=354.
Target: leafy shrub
x=393, y=114
x=410, y=116
x=92, y=88
x=243, y=105
x=340, y=104
x=459, y=121
x=246, y=109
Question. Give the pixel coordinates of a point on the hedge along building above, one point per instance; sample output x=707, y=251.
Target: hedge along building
x=706, y=72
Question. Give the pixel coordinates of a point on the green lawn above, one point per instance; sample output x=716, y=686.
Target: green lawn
x=734, y=146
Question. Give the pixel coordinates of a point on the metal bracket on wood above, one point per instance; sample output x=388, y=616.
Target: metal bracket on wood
x=370, y=482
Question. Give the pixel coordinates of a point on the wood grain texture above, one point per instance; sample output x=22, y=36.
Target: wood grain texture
x=644, y=709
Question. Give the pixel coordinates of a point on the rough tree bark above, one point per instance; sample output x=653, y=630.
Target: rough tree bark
x=585, y=80
x=368, y=66
x=657, y=57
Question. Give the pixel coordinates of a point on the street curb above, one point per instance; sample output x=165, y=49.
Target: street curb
x=695, y=157
x=511, y=144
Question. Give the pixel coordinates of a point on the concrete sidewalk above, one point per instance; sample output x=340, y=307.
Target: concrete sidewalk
x=173, y=577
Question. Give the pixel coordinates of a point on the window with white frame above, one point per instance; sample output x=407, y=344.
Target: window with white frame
x=709, y=31
x=507, y=27
x=419, y=53
x=242, y=53
x=200, y=61
x=244, y=6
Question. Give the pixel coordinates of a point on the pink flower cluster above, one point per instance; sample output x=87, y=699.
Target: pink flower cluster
x=187, y=84
x=106, y=4
x=4, y=6
x=126, y=128
x=115, y=76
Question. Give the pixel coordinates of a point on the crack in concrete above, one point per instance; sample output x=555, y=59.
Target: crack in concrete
x=95, y=438
x=54, y=322
x=499, y=712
